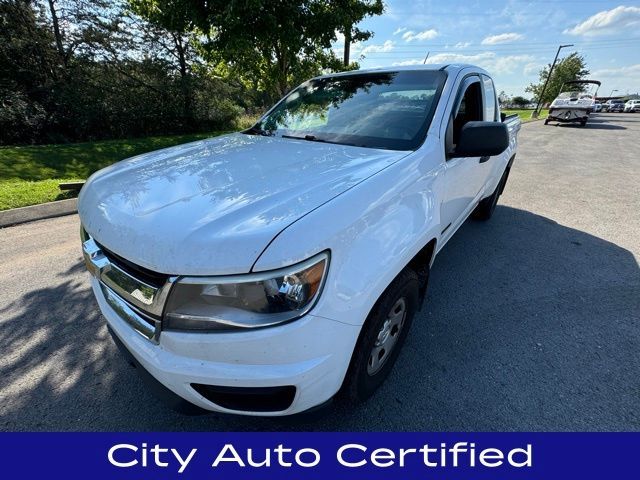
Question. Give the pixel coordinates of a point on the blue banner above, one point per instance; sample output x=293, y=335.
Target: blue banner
x=320, y=455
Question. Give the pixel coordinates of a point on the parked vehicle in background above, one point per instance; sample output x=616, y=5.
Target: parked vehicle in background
x=597, y=106
x=632, y=106
x=613, y=106
x=262, y=272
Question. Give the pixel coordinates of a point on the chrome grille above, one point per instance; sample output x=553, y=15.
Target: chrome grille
x=138, y=301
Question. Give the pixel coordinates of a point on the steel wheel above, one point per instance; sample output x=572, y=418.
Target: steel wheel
x=382, y=336
x=387, y=336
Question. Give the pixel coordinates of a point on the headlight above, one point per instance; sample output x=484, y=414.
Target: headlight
x=246, y=301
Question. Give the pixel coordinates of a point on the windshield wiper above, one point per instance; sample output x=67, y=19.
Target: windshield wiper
x=256, y=130
x=313, y=138
x=310, y=138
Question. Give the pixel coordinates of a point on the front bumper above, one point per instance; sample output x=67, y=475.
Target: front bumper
x=311, y=354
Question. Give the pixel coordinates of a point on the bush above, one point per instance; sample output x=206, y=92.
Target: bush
x=46, y=98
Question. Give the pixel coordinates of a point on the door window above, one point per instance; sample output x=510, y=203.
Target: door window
x=470, y=110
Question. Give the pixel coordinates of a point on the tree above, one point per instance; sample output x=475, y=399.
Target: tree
x=503, y=98
x=173, y=30
x=278, y=44
x=28, y=65
x=572, y=67
x=520, y=101
x=352, y=12
x=74, y=70
x=103, y=72
x=77, y=24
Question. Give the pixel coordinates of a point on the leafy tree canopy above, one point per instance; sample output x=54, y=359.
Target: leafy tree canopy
x=572, y=67
x=89, y=69
x=274, y=44
x=520, y=101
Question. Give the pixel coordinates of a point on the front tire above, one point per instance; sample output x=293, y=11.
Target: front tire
x=382, y=337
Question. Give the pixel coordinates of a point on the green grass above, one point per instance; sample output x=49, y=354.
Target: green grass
x=525, y=115
x=29, y=175
x=20, y=193
x=79, y=160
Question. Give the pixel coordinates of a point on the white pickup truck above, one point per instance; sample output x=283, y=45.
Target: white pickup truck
x=263, y=272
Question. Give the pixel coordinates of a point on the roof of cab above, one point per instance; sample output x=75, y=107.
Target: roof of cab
x=448, y=67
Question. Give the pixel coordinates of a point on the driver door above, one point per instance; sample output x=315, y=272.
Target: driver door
x=464, y=177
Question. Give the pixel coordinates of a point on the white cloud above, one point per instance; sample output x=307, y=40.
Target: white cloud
x=387, y=46
x=532, y=68
x=623, y=79
x=502, y=38
x=621, y=71
x=405, y=63
x=490, y=61
x=607, y=22
x=400, y=30
x=410, y=35
x=462, y=45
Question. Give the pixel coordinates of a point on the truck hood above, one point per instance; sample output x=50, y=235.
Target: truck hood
x=212, y=206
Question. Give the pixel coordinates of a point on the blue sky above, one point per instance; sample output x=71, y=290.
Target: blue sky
x=512, y=39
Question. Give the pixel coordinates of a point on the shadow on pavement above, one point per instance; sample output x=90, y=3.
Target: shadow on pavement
x=591, y=125
x=528, y=325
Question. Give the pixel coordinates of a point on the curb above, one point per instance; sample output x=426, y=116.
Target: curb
x=59, y=208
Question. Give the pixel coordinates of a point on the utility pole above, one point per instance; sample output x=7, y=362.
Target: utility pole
x=536, y=112
x=425, y=58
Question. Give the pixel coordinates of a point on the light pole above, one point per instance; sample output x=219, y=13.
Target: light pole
x=536, y=112
x=611, y=94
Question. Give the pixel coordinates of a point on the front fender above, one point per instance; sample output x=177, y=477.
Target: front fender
x=373, y=230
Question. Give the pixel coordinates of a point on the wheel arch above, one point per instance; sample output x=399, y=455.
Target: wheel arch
x=507, y=172
x=421, y=264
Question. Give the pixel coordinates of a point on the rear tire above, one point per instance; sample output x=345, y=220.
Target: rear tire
x=382, y=337
x=486, y=207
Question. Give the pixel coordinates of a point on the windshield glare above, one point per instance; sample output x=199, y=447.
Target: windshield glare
x=390, y=110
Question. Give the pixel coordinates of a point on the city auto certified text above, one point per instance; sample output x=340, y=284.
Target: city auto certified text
x=351, y=455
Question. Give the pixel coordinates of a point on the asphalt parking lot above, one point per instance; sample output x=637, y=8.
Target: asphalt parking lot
x=532, y=321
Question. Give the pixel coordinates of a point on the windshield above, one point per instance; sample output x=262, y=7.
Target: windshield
x=390, y=110
x=575, y=95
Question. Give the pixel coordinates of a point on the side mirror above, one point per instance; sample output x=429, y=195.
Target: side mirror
x=482, y=139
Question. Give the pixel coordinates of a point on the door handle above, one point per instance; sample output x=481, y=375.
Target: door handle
x=484, y=159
